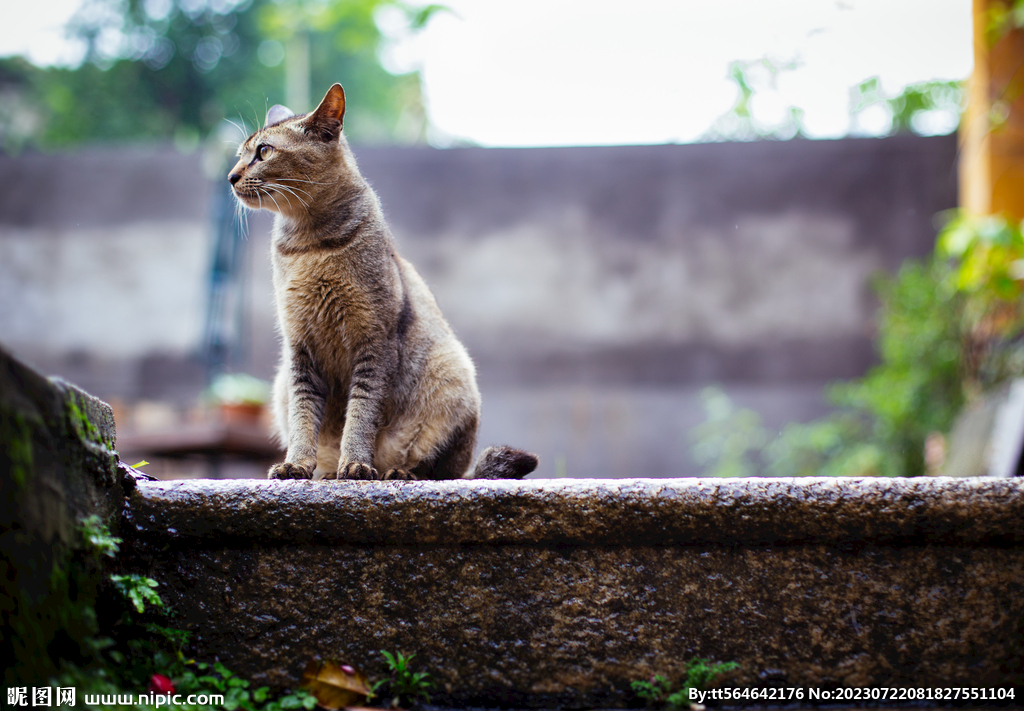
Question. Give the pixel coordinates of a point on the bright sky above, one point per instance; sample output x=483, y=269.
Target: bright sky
x=592, y=72
x=564, y=72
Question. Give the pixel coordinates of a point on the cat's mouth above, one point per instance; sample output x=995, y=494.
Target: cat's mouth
x=251, y=195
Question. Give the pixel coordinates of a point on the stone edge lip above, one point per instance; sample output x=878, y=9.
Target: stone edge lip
x=762, y=511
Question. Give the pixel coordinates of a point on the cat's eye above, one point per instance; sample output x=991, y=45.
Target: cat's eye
x=265, y=151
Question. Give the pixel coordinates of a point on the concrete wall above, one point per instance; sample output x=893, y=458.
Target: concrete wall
x=103, y=261
x=598, y=289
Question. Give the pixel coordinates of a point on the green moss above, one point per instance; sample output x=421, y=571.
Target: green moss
x=49, y=607
x=16, y=446
x=82, y=425
x=76, y=411
x=63, y=631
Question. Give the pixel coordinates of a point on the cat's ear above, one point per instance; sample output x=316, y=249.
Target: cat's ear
x=277, y=114
x=325, y=123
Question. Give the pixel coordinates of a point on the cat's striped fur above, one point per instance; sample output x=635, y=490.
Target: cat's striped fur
x=373, y=383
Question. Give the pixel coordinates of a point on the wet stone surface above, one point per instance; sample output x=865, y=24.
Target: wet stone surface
x=562, y=592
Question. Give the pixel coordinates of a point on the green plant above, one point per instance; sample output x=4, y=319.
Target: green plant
x=987, y=253
x=727, y=444
x=176, y=639
x=949, y=328
x=121, y=642
x=404, y=686
x=239, y=389
x=1002, y=18
x=657, y=690
x=739, y=122
x=202, y=678
x=200, y=64
x=97, y=538
x=918, y=387
x=915, y=109
x=138, y=589
x=654, y=691
x=836, y=445
x=884, y=418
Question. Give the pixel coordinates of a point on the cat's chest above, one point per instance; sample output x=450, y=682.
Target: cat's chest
x=322, y=306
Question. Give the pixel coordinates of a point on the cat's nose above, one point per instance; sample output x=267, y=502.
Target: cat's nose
x=234, y=178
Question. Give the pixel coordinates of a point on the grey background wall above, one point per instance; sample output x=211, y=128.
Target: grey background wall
x=599, y=289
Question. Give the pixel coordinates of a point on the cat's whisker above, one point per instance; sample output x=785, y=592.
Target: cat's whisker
x=296, y=180
x=242, y=218
x=283, y=188
x=271, y=196
x=244, y=125
x=293, y=188
x=299, y=199
x=259, y=126
x=240, y=130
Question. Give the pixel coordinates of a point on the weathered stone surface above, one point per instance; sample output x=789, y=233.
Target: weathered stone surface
x=544, y=592
x=57, y=466
x=580, y=511
x=57, y=455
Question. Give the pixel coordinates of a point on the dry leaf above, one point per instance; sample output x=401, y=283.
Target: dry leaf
x=335, y=685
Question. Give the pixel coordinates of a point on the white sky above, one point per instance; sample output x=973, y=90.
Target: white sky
x=564, y=72
x=592, y=72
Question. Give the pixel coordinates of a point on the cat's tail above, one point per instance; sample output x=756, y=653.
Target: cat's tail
x=503, y=463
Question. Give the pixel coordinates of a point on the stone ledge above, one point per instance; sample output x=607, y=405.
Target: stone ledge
x=560, y=593
x=749, y=512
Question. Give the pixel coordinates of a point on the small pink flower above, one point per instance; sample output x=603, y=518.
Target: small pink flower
x=160, y=684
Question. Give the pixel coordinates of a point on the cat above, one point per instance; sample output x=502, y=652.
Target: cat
x=372, y=383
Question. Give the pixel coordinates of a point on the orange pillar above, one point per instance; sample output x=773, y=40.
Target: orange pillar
x=992, y=129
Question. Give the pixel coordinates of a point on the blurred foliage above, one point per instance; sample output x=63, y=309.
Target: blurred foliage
x=1002, y=18
x=949, y=328
x=925, y=108
x=989, y=254
x=238, y=389
x=729, y=441
x=739, y=123
x=162, y=69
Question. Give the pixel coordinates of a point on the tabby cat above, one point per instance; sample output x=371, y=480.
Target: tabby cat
x=372, y=383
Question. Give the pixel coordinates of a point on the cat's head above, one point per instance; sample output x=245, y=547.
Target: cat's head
x=286, y=165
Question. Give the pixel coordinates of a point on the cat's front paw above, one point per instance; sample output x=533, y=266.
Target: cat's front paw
x=357, y=470
x=284, y=470
x=399, y=475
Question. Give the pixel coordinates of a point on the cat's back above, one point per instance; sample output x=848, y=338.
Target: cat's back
x=429, y=334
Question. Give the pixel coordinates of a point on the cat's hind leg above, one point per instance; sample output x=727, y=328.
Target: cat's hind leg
x=427, y=450
x=452, y=456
